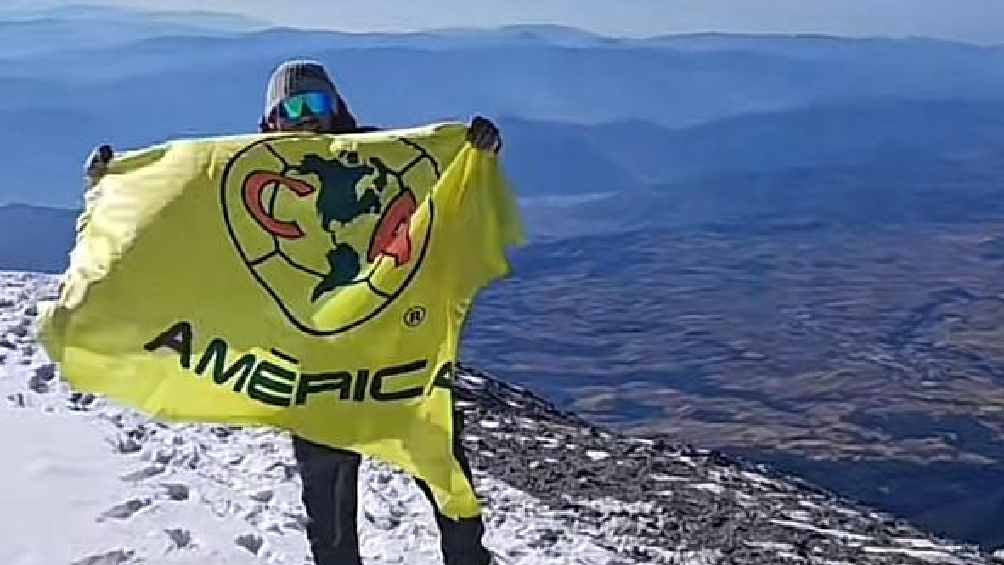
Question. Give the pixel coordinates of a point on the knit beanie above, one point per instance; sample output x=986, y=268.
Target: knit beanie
x=296, y=77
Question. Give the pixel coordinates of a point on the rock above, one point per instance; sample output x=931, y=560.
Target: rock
x=81, y=402
x=654, y=496
x=44, y=374
x=126, y=510
x=176, y=491
x=283, y=471
x=144, y=473
x=180, y=539
x=296, y=521
x=117, y=557
x=263, y=496
x=46, y=371
x=164, y=456
x=250, y=542
x=18, y=400
x=127, y=444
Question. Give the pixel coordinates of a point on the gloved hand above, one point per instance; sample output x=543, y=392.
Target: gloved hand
x=96, y=164
x=483, y=135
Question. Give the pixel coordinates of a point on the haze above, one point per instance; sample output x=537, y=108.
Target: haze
x=976, y=21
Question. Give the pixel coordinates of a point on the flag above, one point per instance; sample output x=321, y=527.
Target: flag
x=316, y=283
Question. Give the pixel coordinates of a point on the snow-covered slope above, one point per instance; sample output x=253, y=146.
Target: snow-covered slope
x=90, y=483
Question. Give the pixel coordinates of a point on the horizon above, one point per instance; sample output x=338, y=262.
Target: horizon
x=725, y=62
x=981, y=23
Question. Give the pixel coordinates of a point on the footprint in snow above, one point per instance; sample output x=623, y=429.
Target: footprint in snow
x=126, y=510
x=144, y=473
x=176, y=491
x=263, y=496
x=117, y=557
x=180, y=538
x=250, y=542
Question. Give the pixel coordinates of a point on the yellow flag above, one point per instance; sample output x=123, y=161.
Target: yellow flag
x=317, y=283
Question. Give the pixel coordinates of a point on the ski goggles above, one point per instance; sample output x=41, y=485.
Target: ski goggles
x=308, y=104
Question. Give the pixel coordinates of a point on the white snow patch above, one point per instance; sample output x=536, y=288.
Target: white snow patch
x=920, y=543
x=664, y=478
x=823, y=531
x=109, y=482
x=770, y=545
x=709, y=487
x=687, y=461
x=924, y=555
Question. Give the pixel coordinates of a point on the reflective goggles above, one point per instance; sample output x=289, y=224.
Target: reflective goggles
x=308, y=104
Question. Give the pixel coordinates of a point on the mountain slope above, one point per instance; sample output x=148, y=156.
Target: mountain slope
x=891, y=136
x=843, y=324
x=662, y=110
x=899, y=132
x=557, y=489
x=36, y=238
x=518, y=74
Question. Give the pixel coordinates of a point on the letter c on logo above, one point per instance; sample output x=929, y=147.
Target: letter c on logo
x=255, y=185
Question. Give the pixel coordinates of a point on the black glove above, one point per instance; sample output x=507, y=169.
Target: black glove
x=483, y=135
x=96, y=164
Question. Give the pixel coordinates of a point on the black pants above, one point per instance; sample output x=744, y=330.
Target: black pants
x=330, y=494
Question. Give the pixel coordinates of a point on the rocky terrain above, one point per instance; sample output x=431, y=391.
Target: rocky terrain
x=95, y=484
x=865, y=356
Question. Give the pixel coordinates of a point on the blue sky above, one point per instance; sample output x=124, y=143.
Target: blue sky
x=980, y=21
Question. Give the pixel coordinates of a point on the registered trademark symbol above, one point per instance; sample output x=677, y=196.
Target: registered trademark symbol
x=414, y=316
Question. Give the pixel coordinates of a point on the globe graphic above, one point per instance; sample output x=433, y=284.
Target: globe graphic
x=333, y=233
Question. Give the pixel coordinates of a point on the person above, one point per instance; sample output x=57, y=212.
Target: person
x=302, y=97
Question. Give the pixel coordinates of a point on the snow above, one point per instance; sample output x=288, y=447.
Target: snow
x=822, y=531
x=71, y=503
x=86, y=482
x=710, y=487
x=58, y=484
x=106, y=486
x=929, y=556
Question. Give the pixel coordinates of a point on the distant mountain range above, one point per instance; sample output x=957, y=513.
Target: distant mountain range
x=48, y=30
x=502, y=74
x=626, y=112
x=555, y=158
x=36, y=238
x=881, y=191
